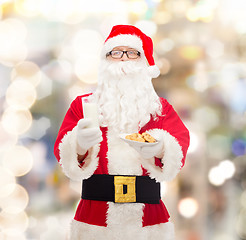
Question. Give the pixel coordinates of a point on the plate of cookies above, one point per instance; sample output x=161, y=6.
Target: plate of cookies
x=139, y=139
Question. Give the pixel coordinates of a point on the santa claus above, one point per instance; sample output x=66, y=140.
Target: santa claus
x=121, y=180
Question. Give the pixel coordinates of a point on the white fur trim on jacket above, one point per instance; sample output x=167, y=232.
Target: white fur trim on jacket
x=69, y=161
x=84, y=231
x=172, y=158
x=122, y=158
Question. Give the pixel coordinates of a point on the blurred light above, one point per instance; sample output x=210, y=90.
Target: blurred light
x=192, y=15
x=39, y=153
x=106, y=6
x=75, y=185
x=13, y=224
x=194, y=143
x=241, y=27
x=66, y=11
x=239, y=147
x=222, y=236
x=191, y=52
x=225, y=170
x=54, y=230
x=59, y=70
x=12, y=234
x=74, y=91
x=179, y=9
x=6, y=1
x=148, y=27
x=228, y=168
x=163, y=189
x=7, y=139
x=206, y=117
x=87, y=42
x=12, y=31
x=202, y=12
x=216, y=177
x=28, y=8
x=33, y=222
x=231, y=13
x=21, y=94
x=16, y=201
x=215, y=48
x=202, y=79
x=12, y=35
x=188, y=207
x=240, y=224
x=44, y=89
x=86, y=47
x=39, y=128
x=18, y=160
x=219, y=146
x=28, y=71
x=65, y=52
x=162, y=17
x=137, y=7
x=86, y=69
x=166, y=45
x=238, y=97
x=16, y=121
x=164, y=65
x=243, y=200
x=75, y=11
x=7, y=182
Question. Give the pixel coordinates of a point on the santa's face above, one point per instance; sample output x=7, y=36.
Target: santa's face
x=125, y=94
x=123, y=53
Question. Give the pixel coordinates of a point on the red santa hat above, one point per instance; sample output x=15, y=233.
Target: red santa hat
x=127, y=35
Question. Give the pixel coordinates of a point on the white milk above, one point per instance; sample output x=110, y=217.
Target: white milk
x=90, y=111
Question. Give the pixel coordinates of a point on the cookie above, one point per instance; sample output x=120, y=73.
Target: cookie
x=148, y=138
x=135, y=137
x=144, y=137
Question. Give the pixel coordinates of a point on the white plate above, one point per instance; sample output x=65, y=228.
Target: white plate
x=135, y=143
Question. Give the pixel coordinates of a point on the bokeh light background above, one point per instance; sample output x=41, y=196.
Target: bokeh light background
x=49, y=53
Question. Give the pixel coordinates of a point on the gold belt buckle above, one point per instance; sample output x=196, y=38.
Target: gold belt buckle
x=125, y=184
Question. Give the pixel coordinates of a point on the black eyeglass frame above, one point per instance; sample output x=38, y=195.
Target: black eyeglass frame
x=123, y=52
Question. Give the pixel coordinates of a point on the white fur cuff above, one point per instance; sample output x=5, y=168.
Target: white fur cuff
x=172, y=158
x=69, y=161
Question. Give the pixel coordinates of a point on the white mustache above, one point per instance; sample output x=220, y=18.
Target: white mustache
x=123, y=68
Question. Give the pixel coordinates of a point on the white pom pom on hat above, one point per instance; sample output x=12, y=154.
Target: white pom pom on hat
x=128, y=35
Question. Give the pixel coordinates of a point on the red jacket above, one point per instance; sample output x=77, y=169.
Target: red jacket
x=114, y=156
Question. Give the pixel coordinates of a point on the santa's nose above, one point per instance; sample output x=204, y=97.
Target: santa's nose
x=124, y=57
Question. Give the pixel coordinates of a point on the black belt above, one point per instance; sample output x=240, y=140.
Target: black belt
x=121, y=189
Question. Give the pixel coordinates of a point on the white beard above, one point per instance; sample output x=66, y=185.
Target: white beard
x=125, y=96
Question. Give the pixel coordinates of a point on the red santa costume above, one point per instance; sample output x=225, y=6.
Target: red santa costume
x=127, y=103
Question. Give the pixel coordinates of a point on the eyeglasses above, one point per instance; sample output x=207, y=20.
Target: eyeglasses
x=117, y=54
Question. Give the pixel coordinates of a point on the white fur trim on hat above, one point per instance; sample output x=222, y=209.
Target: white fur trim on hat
x=153, y=71
x=69, y=161
x=128, y=40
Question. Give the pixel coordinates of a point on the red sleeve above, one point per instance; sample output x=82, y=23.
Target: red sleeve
x=174, y=125
x=73, y=115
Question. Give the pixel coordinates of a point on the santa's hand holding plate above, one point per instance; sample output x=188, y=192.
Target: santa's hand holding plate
x=148, y=150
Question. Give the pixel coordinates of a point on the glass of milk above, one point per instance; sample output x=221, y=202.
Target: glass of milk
x=90, y=110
